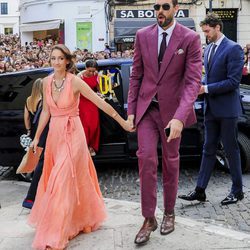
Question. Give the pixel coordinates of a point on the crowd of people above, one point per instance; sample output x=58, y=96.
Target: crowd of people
x=16, y=57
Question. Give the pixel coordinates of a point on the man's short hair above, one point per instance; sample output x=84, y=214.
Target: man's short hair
x=212, y=20
x=175, y=2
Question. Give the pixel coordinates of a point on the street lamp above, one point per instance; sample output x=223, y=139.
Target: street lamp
x=210, y=5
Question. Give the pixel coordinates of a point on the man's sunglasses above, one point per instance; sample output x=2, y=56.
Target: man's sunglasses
x=165, y=6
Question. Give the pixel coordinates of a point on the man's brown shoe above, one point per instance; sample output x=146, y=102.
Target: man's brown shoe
x=149, y=225
x=167, y=225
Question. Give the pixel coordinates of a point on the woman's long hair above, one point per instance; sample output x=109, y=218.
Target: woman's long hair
x=36, y=95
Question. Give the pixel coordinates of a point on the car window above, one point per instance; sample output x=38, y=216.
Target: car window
x=15, y=88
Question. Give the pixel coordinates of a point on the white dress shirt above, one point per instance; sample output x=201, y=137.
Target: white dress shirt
x=218, y=42
x=169, y=32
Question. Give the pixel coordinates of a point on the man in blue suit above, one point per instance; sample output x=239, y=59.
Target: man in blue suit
x=223, y=61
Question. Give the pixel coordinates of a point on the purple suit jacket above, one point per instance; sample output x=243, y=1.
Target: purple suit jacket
x=176, y=84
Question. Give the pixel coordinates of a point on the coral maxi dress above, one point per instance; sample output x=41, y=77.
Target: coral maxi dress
x=68, y=199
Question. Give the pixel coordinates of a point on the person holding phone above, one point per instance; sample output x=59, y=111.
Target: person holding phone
x=164, y=84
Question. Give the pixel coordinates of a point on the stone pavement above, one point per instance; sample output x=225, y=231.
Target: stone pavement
x=122, y=183
x=118, y=231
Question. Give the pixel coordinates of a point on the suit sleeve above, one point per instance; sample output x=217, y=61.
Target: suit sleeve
x=135, y=77
x=234, y=66
x=192, y=78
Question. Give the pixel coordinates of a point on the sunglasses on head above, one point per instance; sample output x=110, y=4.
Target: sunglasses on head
x=165, y=6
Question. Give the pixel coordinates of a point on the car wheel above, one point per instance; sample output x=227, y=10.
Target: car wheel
x=25, y=177
x=221, y=159
x=244, y=144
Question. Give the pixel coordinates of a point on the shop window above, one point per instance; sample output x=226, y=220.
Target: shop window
x=8, y=31
x=4, y=8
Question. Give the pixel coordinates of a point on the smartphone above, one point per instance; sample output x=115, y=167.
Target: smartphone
x=167, y=131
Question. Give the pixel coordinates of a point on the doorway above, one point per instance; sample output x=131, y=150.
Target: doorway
x=229, y=19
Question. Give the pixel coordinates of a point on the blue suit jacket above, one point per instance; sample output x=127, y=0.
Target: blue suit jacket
x=223, y=78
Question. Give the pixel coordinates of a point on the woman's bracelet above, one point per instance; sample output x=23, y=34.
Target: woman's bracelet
x=114, y=115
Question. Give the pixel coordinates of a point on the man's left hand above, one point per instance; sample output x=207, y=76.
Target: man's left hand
x=176, y=127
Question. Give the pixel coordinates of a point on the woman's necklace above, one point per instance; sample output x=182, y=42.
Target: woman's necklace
x=60, y=87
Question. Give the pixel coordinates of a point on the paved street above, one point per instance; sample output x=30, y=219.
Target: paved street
x=118, y=231
x=121, y=182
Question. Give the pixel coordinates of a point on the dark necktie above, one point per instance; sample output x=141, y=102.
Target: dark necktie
x=211, y=55
x=162, y=48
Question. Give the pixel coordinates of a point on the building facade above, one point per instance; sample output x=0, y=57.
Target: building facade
x=9, y=17
x=127, y=16
x=77, y=23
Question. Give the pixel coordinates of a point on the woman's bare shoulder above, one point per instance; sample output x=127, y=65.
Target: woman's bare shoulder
x=76, y=79
x=45, y=80
x=80, y=74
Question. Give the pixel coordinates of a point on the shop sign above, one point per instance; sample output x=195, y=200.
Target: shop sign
x=147, y=13
x=226, y=14
x=84, y=35
x=128, y=39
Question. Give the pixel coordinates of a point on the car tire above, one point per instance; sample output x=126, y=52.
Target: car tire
x=221, y=159
x=244, y=144
x=25, y=177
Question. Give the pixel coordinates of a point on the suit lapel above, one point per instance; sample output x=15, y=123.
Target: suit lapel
x=206, y=57
x=152, y=41
x=171, y=48
x=218, y=52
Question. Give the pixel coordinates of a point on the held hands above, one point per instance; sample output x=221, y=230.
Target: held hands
x=131, y=121
x=176, y=127
x=129, y=124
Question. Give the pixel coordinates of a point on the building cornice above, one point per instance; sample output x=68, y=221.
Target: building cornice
x=27, y=3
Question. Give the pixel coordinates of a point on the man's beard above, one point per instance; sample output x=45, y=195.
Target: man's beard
x=165, y=22
x=212, y=39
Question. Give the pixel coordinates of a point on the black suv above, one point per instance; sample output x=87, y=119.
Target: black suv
x=115, y=144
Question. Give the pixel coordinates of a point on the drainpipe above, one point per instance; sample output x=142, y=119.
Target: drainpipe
x=210, y=5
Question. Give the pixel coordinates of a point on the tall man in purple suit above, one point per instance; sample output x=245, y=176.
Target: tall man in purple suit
x=164, y=83
x=223, y=61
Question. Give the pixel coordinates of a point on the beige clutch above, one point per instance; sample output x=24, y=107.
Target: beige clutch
x=29, y=161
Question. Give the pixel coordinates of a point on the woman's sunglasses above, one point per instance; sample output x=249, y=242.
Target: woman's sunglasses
x=165, y=6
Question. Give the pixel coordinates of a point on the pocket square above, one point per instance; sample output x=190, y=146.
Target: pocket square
x=179, y=52
x=29, y=161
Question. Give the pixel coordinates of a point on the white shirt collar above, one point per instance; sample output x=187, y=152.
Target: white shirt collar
x=218, y=42
x=169, y=31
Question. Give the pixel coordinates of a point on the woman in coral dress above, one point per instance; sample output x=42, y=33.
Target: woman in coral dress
x=69, y=200
x=88, y=111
